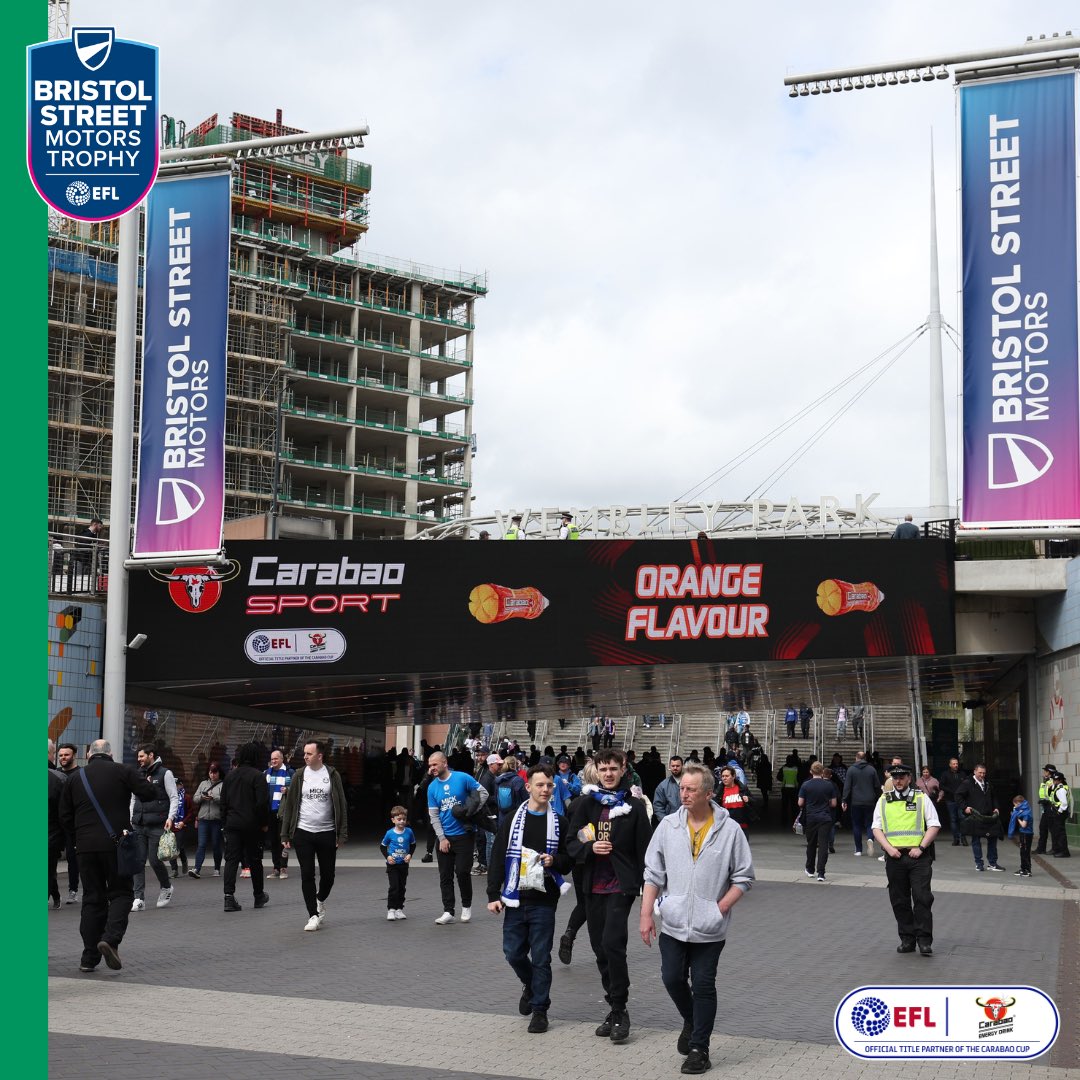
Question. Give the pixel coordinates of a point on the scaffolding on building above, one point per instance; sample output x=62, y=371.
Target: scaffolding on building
x=349, y=375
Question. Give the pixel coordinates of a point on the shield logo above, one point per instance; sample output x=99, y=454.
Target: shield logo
x=97, y=165
x=93, y=45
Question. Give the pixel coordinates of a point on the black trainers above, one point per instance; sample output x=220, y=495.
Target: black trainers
x=426, y=858
x=566, y=949
x=194, y=874
x=604, y=1030
x=524, y=1002
x=925, y=949
x=906, y=946
x=110, y=955
x=231, y=904
x=262, y=900
x=697, y=1061
x=683, y=1045
x=620, y=1025
x=539, y=1022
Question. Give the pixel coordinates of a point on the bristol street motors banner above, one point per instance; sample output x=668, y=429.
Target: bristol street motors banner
x=180, y=492
x=338, y=608
x=1021, y=374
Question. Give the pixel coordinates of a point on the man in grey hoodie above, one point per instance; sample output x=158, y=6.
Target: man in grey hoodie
x=861, y=791
x=697, y=867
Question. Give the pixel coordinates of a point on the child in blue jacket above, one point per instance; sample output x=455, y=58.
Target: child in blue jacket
x=1021, y=825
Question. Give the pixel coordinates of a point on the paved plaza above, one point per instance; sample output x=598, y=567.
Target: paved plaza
x=203, y=993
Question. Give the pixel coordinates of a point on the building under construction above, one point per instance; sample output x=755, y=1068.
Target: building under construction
x=350, y=375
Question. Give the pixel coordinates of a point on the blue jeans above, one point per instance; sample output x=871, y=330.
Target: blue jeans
x=209, y=832
x=689, y=973
x=954, y=820
x=528, y=933
x=861, y=817
x=991, y=850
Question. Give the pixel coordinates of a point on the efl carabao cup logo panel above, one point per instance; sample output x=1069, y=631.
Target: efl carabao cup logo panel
x=92, y=123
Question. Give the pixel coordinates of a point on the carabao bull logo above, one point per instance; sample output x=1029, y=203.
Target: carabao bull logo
x=92, y=130
x=995, y=1007
x=196, y=589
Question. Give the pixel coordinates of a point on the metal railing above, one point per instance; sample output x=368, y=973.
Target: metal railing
x=78, y=565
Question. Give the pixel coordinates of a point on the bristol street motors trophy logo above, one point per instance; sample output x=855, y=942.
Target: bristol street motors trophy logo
x=92, y=123
x=196, y=589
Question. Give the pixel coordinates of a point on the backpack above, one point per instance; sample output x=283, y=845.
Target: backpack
x=506, y=798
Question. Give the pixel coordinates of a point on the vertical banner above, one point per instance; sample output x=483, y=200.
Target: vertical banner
x=1021, y=380
x=180, y=490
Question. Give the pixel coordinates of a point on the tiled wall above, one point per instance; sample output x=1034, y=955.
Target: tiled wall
x=76, y=645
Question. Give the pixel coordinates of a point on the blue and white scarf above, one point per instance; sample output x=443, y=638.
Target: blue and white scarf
x=613, y=800
x=511, y=892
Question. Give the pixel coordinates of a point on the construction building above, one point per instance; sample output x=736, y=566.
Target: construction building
x=350, y=375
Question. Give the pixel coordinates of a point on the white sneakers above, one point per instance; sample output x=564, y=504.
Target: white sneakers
x=858, y=854
x=400, y=914
x=313, y=923
x=466, y=914
x=164, y=898
x=320, y=908
x=138, y=905
x=445, y=919
x=391, y=915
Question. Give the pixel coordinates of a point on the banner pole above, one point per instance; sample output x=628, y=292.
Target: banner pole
x=123, y=423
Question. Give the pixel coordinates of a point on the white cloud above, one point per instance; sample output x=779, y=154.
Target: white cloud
x=680, y=255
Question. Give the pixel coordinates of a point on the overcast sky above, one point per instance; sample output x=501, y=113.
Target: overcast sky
x=680, y=256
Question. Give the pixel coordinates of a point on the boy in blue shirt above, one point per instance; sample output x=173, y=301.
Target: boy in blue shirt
x=397, y=847
x=1021, y=824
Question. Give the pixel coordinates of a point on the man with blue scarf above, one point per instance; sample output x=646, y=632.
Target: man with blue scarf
x=525, y=880
x=610, y=833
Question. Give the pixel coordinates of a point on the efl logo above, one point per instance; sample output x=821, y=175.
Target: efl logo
x=946, y=1023
x=306, y=646
x=196, y=589
x=92, y=131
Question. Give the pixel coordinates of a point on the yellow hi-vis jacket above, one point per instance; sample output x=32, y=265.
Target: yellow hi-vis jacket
x=903, y=824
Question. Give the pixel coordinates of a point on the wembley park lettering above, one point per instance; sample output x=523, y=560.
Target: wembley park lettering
x=755, y=517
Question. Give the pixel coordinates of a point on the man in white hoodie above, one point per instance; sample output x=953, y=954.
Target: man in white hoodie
x=697, y=868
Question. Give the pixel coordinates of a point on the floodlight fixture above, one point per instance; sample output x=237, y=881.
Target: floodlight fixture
x=929, y=69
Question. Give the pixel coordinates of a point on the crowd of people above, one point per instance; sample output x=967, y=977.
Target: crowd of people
x=539, y=825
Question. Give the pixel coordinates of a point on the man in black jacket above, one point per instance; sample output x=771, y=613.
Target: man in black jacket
x=56, y=832
x=951, y=779
x=245, y=817
x=149, y=820
x=979, y=809
x=107, y=896
x=609, y=835
x=66, y=754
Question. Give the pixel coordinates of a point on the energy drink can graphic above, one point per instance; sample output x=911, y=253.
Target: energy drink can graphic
x=836, y=597
x=497, y=603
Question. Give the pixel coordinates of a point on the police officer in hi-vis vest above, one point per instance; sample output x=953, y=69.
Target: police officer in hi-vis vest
x=905, y=824
x=515, y=532
x=1046, y=806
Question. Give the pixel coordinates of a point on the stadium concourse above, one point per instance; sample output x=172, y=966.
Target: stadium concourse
x=248, y=994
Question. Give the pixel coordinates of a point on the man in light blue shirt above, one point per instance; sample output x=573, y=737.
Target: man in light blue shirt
x=456, y=842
